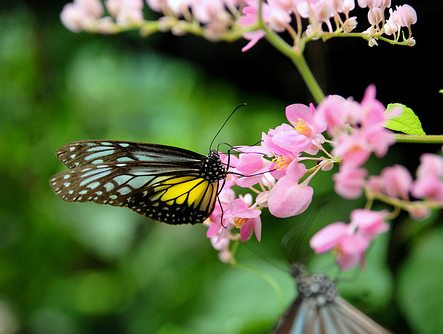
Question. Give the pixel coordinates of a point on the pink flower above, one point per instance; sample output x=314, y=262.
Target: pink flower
x=354, y=148
x=273, y=146
x=349, y=181
x=279, y=15
x=306, y=136
x=369, y=223
x=210, y=11
x=403, y=16
x=430, y=188
x=407, y=15
x=335, y=112
x=430, y=165
x=81, y=14
x=249, y=18
x=396, y=181
x=350, y=241
x=126, y=11
x=349, y=247
x=246, y=218
x=222, y=245
x=251, y=164
x=289, y=198
x=429, y=182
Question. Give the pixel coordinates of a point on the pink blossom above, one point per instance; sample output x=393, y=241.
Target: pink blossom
x=429, y=187
x=403, y=16
x=246, y=218
x=317, y=10
x=430, y=165
x=289, y=198
x=353, y=148
x=126, y=11
x=335, y=112
x=396, y=181
x=369, y=223
x=251, y=164
x=269, y=143
x=429, y=183
x=349, y=247
x=375, y=15
x=279, y=15
x=222, y=245
x=418, y=212
x=81, y=14
x=349, y=181
x=379, y=139
x=406, y=15
x=249, y=18
x=307, y=135
x=374, y=3
x=210, y=11
x=350, y=241
x=372, y=110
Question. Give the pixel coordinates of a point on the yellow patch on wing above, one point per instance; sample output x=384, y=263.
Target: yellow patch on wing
x=196, y=191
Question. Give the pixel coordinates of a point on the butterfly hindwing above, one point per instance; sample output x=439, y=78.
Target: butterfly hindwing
x=164, y=183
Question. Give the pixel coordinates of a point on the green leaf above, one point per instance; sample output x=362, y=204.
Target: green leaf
x=407, y=122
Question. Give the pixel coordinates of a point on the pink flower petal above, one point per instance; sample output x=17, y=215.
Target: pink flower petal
x=288, y=198
x=328, y=237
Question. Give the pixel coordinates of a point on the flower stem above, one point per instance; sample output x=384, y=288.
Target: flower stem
x=296, y=55
x=313, y=86
x=420, y=139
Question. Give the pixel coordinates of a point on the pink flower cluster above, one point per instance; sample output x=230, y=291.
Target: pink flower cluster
x=350, y=241
x=277, y=170
x=394, y=185
x=397, y=183
x=217, y=17
x=357, y=130
x=278, y=16
x=87, y=15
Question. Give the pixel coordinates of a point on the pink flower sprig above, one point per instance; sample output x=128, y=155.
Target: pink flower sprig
x=233, y=19
x=350, y=241
x=279, y=170
x=394, y=186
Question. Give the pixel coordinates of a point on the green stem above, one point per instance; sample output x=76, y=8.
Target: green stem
x=313, y=86
x=296, y=56
x=420, y=139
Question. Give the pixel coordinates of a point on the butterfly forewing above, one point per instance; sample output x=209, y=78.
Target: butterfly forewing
x=164, y=183
x=86, y=152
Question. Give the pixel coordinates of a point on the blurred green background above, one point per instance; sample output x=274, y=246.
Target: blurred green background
x=84, y=268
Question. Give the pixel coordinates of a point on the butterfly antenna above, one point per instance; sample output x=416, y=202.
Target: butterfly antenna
x=226, y=121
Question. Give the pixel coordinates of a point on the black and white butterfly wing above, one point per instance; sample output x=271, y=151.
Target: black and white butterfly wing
x=164, y=183
x=319, y=309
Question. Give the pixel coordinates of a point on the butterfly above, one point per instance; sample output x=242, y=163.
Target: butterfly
x=165, y=183
x=319, y=308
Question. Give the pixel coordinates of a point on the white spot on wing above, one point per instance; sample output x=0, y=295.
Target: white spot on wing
x=140, y=181
x=124, y=190
x=122, y=179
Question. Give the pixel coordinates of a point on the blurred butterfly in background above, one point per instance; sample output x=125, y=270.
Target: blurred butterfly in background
x=164, y=183
x=319, y=308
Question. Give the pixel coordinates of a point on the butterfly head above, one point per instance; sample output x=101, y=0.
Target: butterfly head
x=317, y=286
